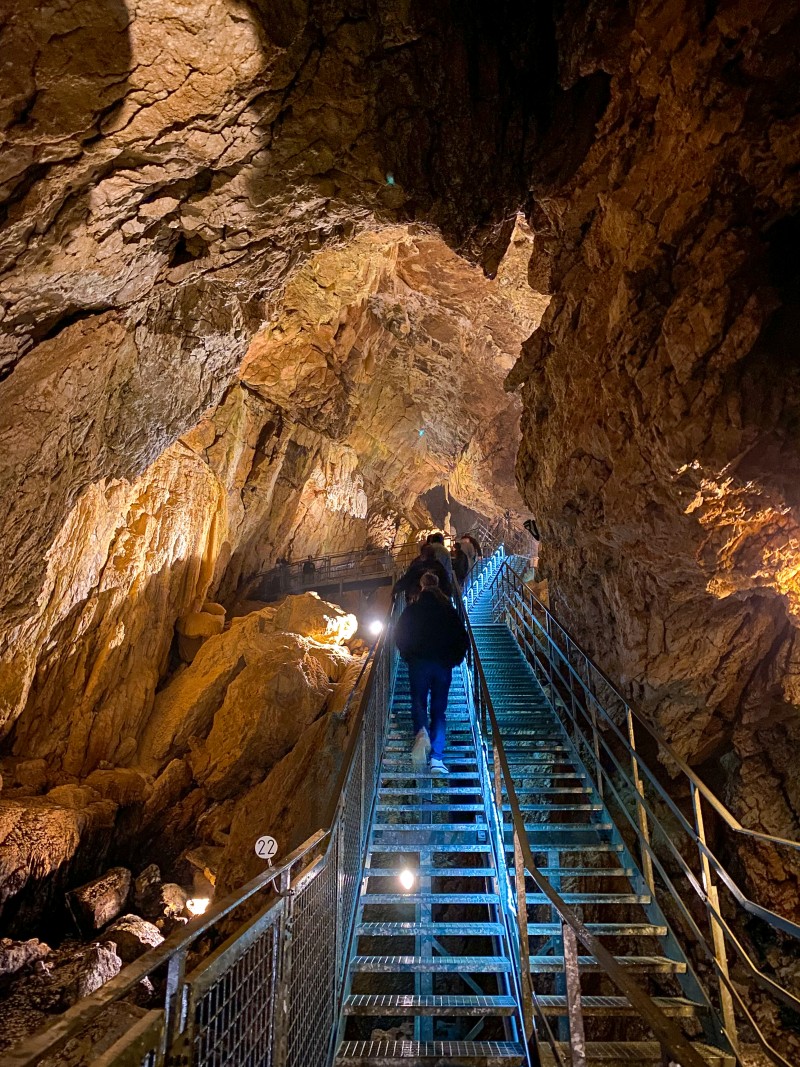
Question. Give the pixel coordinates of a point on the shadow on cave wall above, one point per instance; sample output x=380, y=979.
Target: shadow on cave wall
x=408, y=113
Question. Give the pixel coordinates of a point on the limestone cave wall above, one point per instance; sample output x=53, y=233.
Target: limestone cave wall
x=669, y=507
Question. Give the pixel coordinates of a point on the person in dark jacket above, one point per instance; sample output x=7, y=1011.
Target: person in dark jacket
x=432, y=640
x=460, y=563
x=425, y=561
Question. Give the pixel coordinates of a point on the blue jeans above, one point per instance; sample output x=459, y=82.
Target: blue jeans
x=428, y=677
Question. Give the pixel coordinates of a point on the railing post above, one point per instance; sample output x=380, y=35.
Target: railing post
x=175, y=1007
x=498, y=780
x=641, y=814
x=717, y=933
x=526, y=981
x=281, y=1003
x=577, y=1036
x=596, y=746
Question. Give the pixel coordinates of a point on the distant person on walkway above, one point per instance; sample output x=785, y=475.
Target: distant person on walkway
x=425, y=562
x=309, y=568
x=468, y=548
x=432, y=640
x=461, y=563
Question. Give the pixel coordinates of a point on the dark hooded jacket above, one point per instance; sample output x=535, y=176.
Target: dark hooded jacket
x=431, y=629
x=409, y=583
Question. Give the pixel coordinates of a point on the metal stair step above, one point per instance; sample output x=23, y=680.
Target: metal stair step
x=432, y=872
x=575, y=846
x=602, y=929
x=453, y=1053
x=640, y=1053
x=459, y=761
x=437, y=929
x=441, y=827
x=407, y=1004
x=458, y=790
x=582, y=872
x=414, y=775
x=650, y=964
x=556, y=807
x=444, y=806
x=594, y=898
x=556, y=790
x=429, y=898
x=430, y=964
x=562, y=827
x=434, y=847
x=615, y=1006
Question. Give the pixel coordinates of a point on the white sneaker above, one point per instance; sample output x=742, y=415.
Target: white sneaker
x=438, y=767
x=421, y=748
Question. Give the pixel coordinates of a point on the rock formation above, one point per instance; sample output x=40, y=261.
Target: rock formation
x=669, y=507
x=265, y=269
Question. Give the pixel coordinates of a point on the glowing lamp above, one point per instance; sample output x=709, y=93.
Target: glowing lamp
x=407, y=878
x=375, y=627
x=197, y=905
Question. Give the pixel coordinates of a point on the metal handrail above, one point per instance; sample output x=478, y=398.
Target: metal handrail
x=335, y=853
x=663, y=1027
x=724, y=813
x=337, y=566
x=85, y=1011
x=536, y=634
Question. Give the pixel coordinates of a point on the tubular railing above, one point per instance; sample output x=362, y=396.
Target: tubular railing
x=343, y=566
x=665, y=1030
x=271, y=992
x=668, y=834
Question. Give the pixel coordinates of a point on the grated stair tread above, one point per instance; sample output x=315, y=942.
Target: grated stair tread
x=594, y=898
x=409, y=1004
x=437, y=929
x=429, y=898
x=432, y=872
x=440, y=827
x=651, y=964
x=430, y=964
x=452, y=1053
x=640, y=1053
x=602, y=929
x=444, y=806
x=615, y=1005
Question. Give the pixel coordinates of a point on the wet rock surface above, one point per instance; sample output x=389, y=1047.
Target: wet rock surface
x=660, y=448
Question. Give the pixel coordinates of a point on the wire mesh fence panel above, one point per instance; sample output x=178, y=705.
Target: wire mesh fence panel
x=312, y=977
x=351, y=835
x=234, y=1018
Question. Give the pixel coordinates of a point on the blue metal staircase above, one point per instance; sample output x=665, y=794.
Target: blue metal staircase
x=431, y=975
x=579, y=849
x=436, y=921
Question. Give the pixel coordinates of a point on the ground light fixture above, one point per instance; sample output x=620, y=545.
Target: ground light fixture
x=197, y=905
x=375, y=627
x=407, y=878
